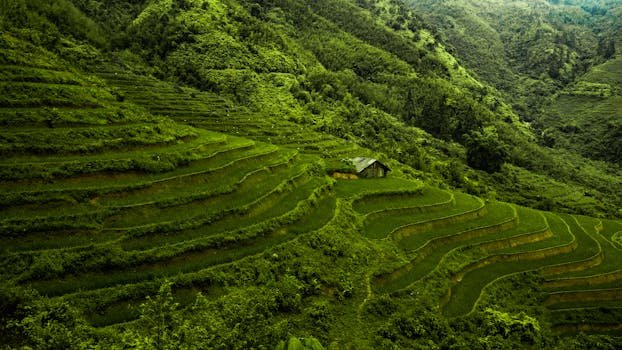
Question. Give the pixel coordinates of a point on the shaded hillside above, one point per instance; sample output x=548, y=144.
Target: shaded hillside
x=168, y=187
x=126, y=218
x=586, y=117
x=527, y=49
x=540, y=51
x=359, y=75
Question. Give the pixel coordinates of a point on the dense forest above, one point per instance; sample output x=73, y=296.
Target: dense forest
x=124, y=120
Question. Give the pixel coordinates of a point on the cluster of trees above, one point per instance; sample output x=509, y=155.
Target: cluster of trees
x=47, y=23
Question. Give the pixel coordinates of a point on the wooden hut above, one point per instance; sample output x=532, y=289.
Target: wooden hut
x=369, y=167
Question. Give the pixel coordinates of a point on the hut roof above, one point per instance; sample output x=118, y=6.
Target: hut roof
x=362, y=163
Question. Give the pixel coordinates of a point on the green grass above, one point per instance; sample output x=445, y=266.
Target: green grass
x=249, y=206
x=609, y=72
x=429, y=247
x=93, y=139
x=490, y=235
x=465, y=206
x=100, y=201
x=183, y=263
x=612, y=232
x=596, y=315
x=229, y=190
x=321, y=214
x=531, y=256
x=202, y=138
x=496, y=214
x=14, y=73
x=605, y=275
x=70, y=117
x=86, y=187
x=414, y=198
x=159, y=194
x=578, y=304
x=587, y=255
x=61, y=239
x=612, y=255
x=15, y=95
x=208, y=182
x=362, y=187
x=119, y=312
x=590, y=107
x=159, y=160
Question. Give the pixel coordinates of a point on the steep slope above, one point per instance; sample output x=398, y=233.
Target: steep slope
x=586, y=117
x=122, y=228
x=527, y=49
x=98, y=193
x=534, y=52
x=343, y=69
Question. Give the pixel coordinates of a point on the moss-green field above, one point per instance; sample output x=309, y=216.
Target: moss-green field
x=141, y=213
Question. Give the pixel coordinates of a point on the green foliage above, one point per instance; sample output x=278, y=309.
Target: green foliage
x=53, y=324
x=159, y=325
x=333, y=66
x=522, y=326
x=48, y=22
x=297, y=344
x=341, y=166
x=485, y=152
x=101, y=200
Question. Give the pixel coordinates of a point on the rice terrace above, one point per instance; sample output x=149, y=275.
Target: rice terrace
x=332, y=174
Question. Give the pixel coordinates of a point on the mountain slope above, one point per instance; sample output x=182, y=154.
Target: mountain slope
x=526, y=49
x=124, y=228
x=345, y=70
x=586, y=116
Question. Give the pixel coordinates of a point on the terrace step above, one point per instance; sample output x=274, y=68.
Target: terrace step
x=244, y=211
x=154, y=267
x=354, y=190
x=166, y=158
x=418, y=200
x=210, y=156
x=95, y=139
x=178, y=189
x=469, y=282
x=589, y=254
x=321, y=214
x=425, y=249
x=215, y=194
x=21, y=74
x=595, y=286
x=14, y=94
x=404, y=225
x=62, y=117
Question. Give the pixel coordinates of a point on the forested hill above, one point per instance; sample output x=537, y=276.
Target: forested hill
x=528, y=49
x=554, y=60
x=373, y=72
x=175, y=174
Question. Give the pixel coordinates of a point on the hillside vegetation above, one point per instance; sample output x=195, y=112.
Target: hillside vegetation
x=164, y=183
x=554, y=61
x=374, y=73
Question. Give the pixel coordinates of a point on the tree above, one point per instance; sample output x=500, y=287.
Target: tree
x=159, y=325
x=485, y=151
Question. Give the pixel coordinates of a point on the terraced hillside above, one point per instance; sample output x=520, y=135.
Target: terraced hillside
x=453, y=247
x=213, y=112
x=112, y=195
x=104, y=199
x=591, y=106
